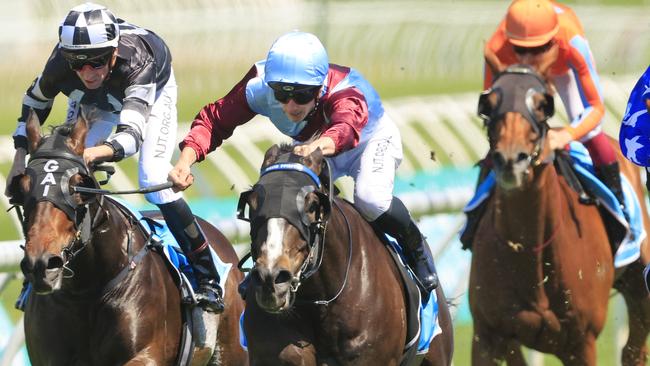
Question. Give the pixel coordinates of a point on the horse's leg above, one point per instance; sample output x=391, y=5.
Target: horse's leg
x=638, y=310
x=486, y=347
x=514, y=356
x=583, y=355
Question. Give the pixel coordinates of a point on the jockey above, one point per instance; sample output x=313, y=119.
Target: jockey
x=117, y=74
x=549, y=36
x=338, y=111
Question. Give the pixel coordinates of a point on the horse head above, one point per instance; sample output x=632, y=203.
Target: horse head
x=54, y=213
x=515, y=111
x=287, y=211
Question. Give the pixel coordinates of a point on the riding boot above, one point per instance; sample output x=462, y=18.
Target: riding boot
x=194, y=244
x=397, y=223
x=610, y=174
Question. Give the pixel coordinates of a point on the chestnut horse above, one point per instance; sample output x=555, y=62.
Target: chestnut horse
x=98, y=297
x=322, y=296
x=542, y=265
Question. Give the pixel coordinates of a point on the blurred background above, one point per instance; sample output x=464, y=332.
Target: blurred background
x=423, y=57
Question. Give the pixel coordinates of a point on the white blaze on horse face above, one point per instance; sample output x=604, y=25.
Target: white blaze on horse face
x=273, y=245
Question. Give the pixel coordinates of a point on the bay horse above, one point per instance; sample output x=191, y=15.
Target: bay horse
x=542, y=265
x=316, y=296
x=99, y=296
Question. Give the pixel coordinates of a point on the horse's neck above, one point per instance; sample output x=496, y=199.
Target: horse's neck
x=105, y=254
x=529, y=216
x=331, y=276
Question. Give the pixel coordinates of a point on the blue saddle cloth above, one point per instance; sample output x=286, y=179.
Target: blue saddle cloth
x=428, y=314
x=630, y=248
x=173, y=252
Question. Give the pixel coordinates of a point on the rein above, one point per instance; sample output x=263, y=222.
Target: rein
x=347, y=269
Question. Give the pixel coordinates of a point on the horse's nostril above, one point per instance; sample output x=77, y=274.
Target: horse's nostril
x=283, y=276
x=522, y=157
x=497, y=159
x=55, y=262
x=256, y=276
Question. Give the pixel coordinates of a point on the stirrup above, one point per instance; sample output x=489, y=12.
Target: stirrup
x=210, y=298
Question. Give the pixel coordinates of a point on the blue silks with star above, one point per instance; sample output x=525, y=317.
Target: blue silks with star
x=634, y=136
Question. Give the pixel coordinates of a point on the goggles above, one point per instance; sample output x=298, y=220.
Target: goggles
x=301, y=94
x=77, y=61
x=533, y=50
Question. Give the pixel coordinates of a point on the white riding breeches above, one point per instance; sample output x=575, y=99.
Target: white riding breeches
x=372, y=165
x=159, y=138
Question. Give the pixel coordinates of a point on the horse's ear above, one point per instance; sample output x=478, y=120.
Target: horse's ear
x=78, y=135
x=33, y=128
x=487, y=102
x=544, y=106
x=271, y=155
x=315, y=161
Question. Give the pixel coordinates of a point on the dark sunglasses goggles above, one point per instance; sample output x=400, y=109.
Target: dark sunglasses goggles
x=301, y=94
x=533, y=50
x=77, y=61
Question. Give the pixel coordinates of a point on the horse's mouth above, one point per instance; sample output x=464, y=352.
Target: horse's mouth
x=48, y=283
x=274, y=304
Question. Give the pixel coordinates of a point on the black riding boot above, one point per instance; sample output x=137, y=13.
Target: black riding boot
x=611, y=175
x=192, y=240
x=397, y=223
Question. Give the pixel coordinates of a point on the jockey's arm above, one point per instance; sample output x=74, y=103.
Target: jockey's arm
x=347, y=112
x=139, y=97
x=217, y=121
x=581, y=61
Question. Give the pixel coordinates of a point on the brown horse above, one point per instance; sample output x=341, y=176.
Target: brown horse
x=542, y=265
x=100, y=297
x=322, y=297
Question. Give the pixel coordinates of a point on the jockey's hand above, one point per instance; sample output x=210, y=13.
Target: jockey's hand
x=17, y=169
x=326, y=145
x=98, y=154
x=181, y=176
x=559, y=138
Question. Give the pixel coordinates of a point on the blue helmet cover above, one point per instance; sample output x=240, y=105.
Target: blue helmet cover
x=297, y=58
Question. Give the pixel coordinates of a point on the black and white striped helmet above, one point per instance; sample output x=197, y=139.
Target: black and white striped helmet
x=88, y=26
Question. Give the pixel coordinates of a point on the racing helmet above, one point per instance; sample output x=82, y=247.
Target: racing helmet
x=87, y=32
x=531, y=23
x=297, y=58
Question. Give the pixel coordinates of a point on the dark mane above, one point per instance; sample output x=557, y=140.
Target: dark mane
x=63, y=130
x=286, y=147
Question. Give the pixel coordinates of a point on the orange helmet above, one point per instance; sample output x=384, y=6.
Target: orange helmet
x=531, y=23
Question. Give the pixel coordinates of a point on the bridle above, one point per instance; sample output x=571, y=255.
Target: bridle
x=312, y=232
x=515, y=89
x=50, y=168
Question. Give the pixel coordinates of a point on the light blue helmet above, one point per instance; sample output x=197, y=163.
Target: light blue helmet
x=297, y=58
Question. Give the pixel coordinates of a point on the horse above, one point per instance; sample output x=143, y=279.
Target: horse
x=542, y=265
x=317, y=296
x=99, y=296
